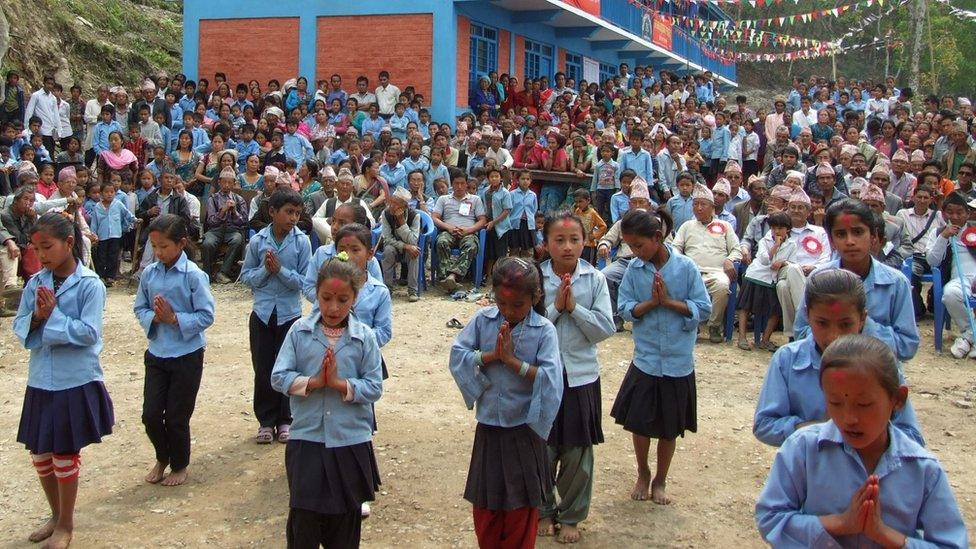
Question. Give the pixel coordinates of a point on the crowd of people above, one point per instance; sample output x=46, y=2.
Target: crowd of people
x=642, y=200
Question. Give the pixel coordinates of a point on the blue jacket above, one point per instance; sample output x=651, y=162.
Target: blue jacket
x=815, y=473
x=111, y=222
x=523, y=203
x=187, y=289
x=641, y=162
x=590, y=322
x=279, y=293
x=501, y=200
x=297, y=148
x=503, y=398
x=791, y=394
x=889, y=305
x=664, y=341
x=323, y=416
x=64, y=349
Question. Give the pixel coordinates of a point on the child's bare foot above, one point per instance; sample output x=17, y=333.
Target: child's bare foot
x=547, y=527
x=639, y=492
x=568, y=533
x=659, y=493
x=176, y=478
x=60, y=539
x=157, y=473
x=44, y=531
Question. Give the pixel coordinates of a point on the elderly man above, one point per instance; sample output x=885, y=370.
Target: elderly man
x=343, y=195
x=958, y=152
x=711, y=243
x=747, y=210
x=226, y=221
x=401, y=233
x=897, y=243
x=459, y=216
x=813, y=250
x=882, y=178
x=902, y=181
x=153, y=102
x=737, y=195
x=640, y=198
x=827, y=184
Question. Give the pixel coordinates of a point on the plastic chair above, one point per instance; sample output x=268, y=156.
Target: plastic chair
x=377, y=233
x=730, y=306
x=602, y=263
x=934, y=278
x=428, y=234
x=479, y=261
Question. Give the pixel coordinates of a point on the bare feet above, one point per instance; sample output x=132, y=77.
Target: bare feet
x=640, y=488
x=659, y=494
x=568, y=533
x=60, y=539
x=44, y=531
x=157, y=473
x=176, y=478
x=547, y=528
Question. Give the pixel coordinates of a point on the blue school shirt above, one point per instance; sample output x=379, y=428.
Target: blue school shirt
x=705, y=148
x=322, y=415
x=111, y=222
x=681, y=210
x=319, y=257
x=281, y=293
x=395, y=176
x=503, y=398
x=889, y=305
x=297, y=148
x=619, y=205
x=142, y=193
x=664, y=341
x=245, y=149
x=200, y=140
x=374, y=308
x=590, y=322
x=524, y=205
x=374, y=127
x=100, y=135
x=431, y=174
x=64, y=349
x=815, y=473
x=187, y=289
x=720, y=143
x=640, y=162
x=501, y=200
x=421, y=163
x=399, y=126
x=791, y=394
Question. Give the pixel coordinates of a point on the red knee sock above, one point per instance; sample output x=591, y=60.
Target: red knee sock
x=66, y=467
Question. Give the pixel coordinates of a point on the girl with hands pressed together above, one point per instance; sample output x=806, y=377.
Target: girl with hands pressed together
x=66, y=406
x=856, y=480
x=578, y=304
x=506, y=362
x=329, y=365
x=174, y=306
x=663, y=294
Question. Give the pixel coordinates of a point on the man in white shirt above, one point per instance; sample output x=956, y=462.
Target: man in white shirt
x=387, y=95
x=44, y=105
x=344, y=195
x=93, y=110
x=363, y=96
x=806, y=116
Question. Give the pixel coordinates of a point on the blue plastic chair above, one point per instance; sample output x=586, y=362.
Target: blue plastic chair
x=934, y=278
x=377, y=233
x=479, y=262
x=730, y=307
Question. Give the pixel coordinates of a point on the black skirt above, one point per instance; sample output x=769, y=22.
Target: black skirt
x=509, y=469
x=495, y=247
x=758, y=299
x=578, y=422
x=64, y=422
x=521, y=238
x=656, y=406
x=330, y=481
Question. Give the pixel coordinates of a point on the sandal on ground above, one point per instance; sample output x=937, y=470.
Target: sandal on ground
x=265, y=435
x=744, y=345
x=284, y=433
x=455, y=323
x=769, y=346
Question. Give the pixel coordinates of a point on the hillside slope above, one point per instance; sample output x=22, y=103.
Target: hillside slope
x=88, y=42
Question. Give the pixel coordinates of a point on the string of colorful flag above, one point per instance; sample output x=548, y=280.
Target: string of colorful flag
x=779, y=21
x=727, y=56
x=967, y=15
x=758, y=38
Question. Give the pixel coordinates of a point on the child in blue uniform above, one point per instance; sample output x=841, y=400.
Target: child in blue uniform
x=329, y=365
x=791, y=397
x=506, y=361
x=578, y=304
x=849, y=225
x=525, y=204
x=343, y=215
x=663, y=294
x=66, y=406
x=110, y=219
x=498, y=209
x=174, y=306
x=275, y=263
x=855, y=481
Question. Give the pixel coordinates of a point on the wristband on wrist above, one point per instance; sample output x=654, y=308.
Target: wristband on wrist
x=478, y=361
x=524, y=369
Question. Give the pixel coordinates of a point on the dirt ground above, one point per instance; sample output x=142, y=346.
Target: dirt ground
x=237, y=495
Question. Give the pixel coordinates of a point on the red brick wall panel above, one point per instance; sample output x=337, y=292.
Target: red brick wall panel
x=463, y=59
x=405, y=50
x=245, y=49
x=504, y=51
x=520, y=57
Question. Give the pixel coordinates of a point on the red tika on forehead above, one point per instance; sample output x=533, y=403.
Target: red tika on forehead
x=336, y=285
x=837, y=375
x=848, y=220
x=836, y=307
x=507, y=292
